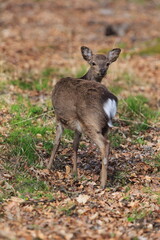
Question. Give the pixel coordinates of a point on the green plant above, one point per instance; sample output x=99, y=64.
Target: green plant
x=81, y=71
x=137, y=215
x=139, y=1
x=23, y=144
x=49, y=72
x=152, y=47
x=116, y=139
x=116, y=89
x=31, y=81
x=68, y=134
x=140, y=140
x=34, y=110
x=121, y=177
x=127, y=197
x=137, y=107
x=27, y=185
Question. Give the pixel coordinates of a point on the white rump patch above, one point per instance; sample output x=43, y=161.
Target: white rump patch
x=110, y=108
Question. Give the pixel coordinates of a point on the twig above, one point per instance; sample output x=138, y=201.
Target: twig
x=33, y=117
x=118, y=119
x=37, y=201
x=135, y=122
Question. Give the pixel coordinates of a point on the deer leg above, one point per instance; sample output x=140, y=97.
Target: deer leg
x=76, y=140
x=103, y=145
x=59, y=132
x=104, y=165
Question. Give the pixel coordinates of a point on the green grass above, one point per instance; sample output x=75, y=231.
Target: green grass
x=49, y=72
x=25, y=186
x=151, y=48
x=137, y=113
x=148, y=48
x=137, y=215
x=136, y=108
x=37, y=82
x=27, y=129
x=68, y=134
x=116, y=139
x=129, y=79
x=152, y=193
x=23, y=142
x=139, y=1
x=81, y=71
x=127, y=198
x=104, y=50
x=154, y=161
x=139, y=140
x=34, y=110
x=123, y=82
x=121, y=45
x=121, y=178
x=115, y=89
x=3, y=86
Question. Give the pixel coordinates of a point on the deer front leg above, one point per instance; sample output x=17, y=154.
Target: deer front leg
x=76, y=141
x=59, y=132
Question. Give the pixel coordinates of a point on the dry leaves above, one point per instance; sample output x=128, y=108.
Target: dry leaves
x=82, y=198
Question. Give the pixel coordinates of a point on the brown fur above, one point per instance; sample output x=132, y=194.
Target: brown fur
x=81, y=101
x=78, y=106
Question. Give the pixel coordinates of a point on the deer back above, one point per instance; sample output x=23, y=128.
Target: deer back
x=79, y=103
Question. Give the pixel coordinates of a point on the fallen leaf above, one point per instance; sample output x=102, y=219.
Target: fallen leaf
x=82, y=198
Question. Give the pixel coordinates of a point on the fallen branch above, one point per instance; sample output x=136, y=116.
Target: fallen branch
x=37, y=201
x=31, y=118
x=135, y=122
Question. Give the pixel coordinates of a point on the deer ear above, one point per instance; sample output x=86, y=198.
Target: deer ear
x=114, y=54
x=86, y=53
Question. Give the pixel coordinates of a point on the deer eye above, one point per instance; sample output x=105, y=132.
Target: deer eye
x=107, y=64
x=93, y=63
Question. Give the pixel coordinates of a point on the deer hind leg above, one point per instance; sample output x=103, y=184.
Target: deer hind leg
x=76, y=141
x=103, y=145
x=104, y=164
x=59, y=132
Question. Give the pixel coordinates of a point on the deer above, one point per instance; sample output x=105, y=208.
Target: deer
x=86, y=106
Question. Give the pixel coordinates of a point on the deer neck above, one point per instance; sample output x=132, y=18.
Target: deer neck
x=90, y=76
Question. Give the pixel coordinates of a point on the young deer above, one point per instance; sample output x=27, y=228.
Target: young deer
x=86, y=106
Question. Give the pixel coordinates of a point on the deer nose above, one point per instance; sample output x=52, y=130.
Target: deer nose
x=103, y=71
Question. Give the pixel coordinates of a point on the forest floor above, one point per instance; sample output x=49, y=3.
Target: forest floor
x=40, y=42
